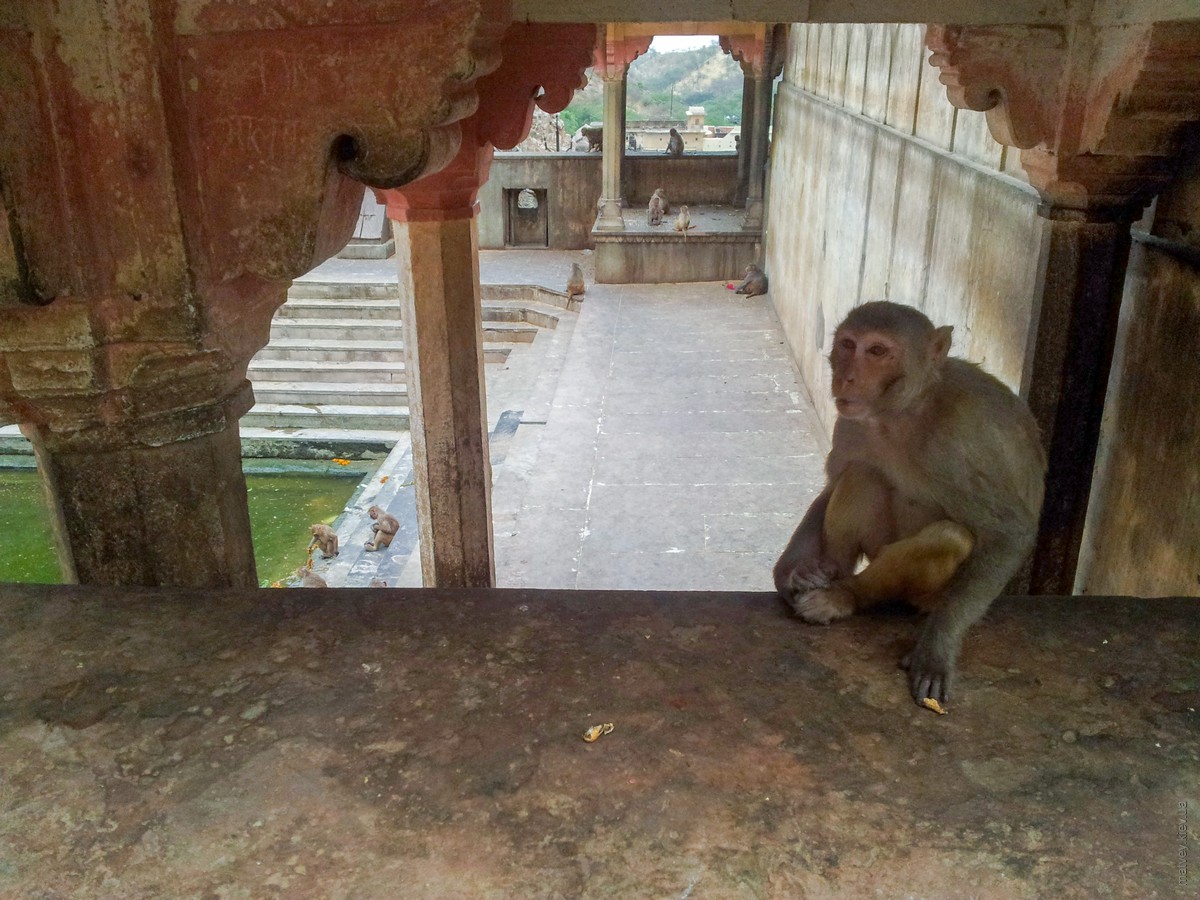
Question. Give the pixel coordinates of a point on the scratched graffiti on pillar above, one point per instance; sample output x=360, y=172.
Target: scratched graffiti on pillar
x=255, y=136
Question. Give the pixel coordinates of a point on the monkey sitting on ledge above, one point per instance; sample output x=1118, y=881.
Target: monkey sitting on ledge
x=383, y=529
x=324, y=537
x=935, y=475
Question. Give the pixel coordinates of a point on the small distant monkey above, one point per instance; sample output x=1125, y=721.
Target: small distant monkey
x=324, y=537
x=754, y=283
x=575, y=284
x=654, y=210
x=935, y=475
x=384, y=529
x=663, y=197
x=309, y=579
x=674, y=144
x=683, y=221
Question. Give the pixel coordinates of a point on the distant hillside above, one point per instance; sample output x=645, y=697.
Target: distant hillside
x=664, y=85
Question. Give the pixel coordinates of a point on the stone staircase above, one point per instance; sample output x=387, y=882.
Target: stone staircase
x=333, y=372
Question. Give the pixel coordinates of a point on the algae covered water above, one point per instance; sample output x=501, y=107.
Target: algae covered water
x=282, y=506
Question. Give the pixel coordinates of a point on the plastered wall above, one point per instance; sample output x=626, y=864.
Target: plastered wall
x=881, y=190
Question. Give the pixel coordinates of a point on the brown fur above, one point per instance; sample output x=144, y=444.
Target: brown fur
x=675, y=144
x=575, y=284
x=384, y=528
x=935, y=476
x=755, y=282
x=324, y=537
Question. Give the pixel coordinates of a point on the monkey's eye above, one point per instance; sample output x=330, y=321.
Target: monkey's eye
x=878, y=350
x=847, y=343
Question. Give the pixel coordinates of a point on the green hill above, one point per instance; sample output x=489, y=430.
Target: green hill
x=664, y=85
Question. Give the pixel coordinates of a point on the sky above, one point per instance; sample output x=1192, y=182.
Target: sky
x=670, y=43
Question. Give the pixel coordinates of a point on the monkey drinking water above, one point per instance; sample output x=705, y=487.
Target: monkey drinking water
x=935, y=475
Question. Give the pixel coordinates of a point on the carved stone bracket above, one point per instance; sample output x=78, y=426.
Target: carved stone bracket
x=751, y=51
x=540, y=64
x=159, y=203
x=1098, y=113
x=616, y=49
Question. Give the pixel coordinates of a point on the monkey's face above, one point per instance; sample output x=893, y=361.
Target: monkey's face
x=865, y=364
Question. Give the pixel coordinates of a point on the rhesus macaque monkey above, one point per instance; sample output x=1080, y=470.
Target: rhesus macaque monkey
x=683, y=221
x=666, y=205
x=309, y=579
x=384, y=528
x=674, y=144
x=575, y=285
x=935, y=475
x=654, y=210
x=324, y=537
x=755, y=282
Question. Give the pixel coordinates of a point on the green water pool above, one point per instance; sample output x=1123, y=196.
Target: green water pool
x=281, y=509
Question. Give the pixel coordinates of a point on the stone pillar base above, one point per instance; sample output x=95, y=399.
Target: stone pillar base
x=171, y=515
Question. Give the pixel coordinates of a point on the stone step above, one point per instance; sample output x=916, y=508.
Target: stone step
x=317, y=443
x=388, y=309
x=521, y=311
x=529, y=292
x=509, y=332
x=345, y=393
x=334, y=351
x=376, y=372
x=339, y=290
x=337, y=329
x=326, y=415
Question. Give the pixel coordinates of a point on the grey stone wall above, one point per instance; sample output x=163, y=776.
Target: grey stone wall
x=572, y=185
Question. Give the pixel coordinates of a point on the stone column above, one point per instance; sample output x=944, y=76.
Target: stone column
x=744, y=141
x=164, y=506
x=1077, y=303
x=755, y=54
x=443, y=351
x=610, y=218
x=758, y=153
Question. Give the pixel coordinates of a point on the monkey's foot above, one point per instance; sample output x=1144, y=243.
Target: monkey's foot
x=927, y=676
x=824, y=605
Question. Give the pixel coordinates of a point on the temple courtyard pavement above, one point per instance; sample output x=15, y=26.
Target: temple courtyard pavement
x=660, y=439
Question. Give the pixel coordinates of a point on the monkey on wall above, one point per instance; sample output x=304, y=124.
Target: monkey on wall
x=684, y=221
x=324, y=537
x=384, y=529
x=935, y=475
x=575, y=283
x=655, y=210
x=755, y=282
x=675, y=144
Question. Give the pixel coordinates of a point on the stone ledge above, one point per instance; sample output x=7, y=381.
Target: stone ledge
x=349, y=741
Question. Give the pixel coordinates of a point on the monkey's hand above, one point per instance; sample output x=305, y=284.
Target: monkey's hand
x=929, y=673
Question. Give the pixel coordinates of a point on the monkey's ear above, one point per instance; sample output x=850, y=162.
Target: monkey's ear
x=939, y=345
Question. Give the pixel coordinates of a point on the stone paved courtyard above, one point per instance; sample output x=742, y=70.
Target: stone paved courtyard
x=664, y=439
